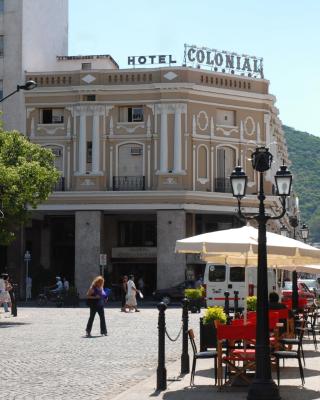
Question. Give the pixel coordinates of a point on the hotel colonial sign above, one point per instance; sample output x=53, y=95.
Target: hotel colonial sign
x=223, y=61
x=203, y=57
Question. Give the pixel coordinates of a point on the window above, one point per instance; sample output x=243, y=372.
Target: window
x=131, y=114
x=86, y=66
x=137, y=233
x=1, y=6
x=89, y=152
x=1, y=45
x=90, y=97
x=217, y=273
x=226, y=117
x=1, y=89
x=237, y=274
x=52, y=116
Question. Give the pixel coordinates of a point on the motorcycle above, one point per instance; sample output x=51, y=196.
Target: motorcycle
x=48, y=296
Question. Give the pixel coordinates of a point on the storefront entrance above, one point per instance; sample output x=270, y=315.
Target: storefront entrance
x=145, y=270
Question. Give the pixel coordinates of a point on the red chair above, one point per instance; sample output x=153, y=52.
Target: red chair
x=237, y=360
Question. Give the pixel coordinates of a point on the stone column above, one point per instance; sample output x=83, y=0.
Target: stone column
x=171, y=267
x=45, y=246
x=163, y=140
x=82, y=143
x=95, y=143
x=87, y=248
x=177, y=140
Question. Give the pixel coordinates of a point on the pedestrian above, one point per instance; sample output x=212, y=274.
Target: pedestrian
x=5, y=287
x=124, y=290
x=66, y=285
x=58, y=287
x=96, y=298
x=141, y=284
x=131, y=301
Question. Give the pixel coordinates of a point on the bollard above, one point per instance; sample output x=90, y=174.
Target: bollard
x=161, y=370
x=226, y=303
x=226, y=307
x=185, y=368
x=236, y=301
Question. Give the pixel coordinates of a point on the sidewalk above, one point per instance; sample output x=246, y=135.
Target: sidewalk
x=178, y=386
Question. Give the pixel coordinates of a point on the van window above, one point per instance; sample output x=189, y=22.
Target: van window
x=217, y=273
x=237, y=274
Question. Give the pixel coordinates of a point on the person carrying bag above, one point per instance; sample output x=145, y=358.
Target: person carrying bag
x=96, y=297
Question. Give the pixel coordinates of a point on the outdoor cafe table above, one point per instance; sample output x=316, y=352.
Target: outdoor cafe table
x=239, y=360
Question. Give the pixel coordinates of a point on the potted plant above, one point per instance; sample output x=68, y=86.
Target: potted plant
x=195, y=299
x=251, y=303
x=208, y=332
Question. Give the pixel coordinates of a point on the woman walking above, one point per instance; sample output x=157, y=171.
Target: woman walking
x=96, y=298
x=124, y=289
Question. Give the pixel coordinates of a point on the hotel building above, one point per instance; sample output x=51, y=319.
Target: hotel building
x=145, y=156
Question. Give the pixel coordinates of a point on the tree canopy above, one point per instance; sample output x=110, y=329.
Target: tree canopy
x=304, y=150
x=27, y=177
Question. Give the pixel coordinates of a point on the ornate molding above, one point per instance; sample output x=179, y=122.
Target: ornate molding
x=227, y=131
x=29, y=111
x=249, y=120
x=50, y=130
x=200, y=115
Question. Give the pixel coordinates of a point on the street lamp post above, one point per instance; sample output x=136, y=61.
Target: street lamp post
x=29, y=85
x=262, y=387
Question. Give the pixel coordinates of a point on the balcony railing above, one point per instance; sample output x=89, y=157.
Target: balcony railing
x=60, y=185
x=223, y=185
x=128, y=183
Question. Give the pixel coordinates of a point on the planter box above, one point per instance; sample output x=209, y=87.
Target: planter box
x=195, y=305
x=208, y=336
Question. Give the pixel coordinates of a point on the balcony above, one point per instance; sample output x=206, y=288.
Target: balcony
x=60, y=185
x=223, y=185
x=130, y=183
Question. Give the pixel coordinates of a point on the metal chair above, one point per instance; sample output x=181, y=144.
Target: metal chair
x=291, y=354
x=201, y=355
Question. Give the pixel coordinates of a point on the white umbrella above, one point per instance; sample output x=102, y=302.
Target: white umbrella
x=239, y=247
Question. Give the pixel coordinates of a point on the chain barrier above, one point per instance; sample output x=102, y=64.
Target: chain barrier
x=170, y=338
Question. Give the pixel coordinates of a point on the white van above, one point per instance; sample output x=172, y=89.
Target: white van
x=219, y=278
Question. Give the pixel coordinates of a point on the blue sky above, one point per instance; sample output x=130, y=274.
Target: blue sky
x=285, y=33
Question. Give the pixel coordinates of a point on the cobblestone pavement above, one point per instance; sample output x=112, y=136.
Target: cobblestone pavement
x=45, y=354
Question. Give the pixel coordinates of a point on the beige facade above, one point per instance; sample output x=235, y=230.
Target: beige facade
x=153, y=147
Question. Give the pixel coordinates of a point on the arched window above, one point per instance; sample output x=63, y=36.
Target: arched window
x=226, y=161
x=202, y=162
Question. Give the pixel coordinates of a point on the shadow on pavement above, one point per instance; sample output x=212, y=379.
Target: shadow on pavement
x=9, y=324
x=205, y=392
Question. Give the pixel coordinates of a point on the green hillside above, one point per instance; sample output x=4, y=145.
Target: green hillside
x=304, y=153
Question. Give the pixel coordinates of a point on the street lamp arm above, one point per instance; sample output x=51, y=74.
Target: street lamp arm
x=29, y=85
x=284, y=210
x=242, y=215
x=250, y=217
x=10, y=94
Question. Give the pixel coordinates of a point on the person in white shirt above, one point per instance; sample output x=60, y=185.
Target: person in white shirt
x=131, y=301
x=58, y=287
x=66, y=284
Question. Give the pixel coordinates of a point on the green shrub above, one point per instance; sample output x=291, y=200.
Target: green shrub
x=215, y=313
x=193, y=294
x=251, y=303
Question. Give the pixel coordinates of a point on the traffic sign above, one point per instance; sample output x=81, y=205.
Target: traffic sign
x=103, y=260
